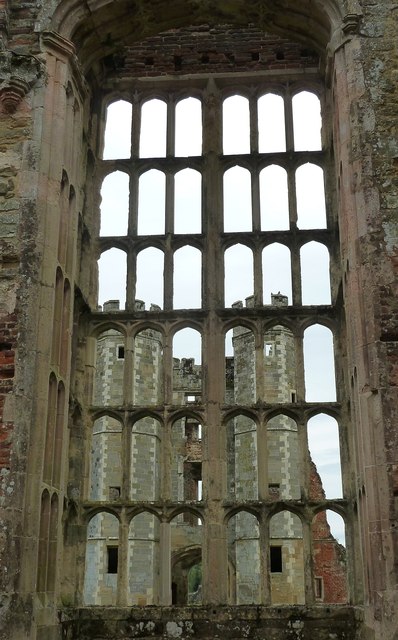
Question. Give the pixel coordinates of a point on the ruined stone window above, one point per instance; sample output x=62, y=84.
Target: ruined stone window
x=213, y=350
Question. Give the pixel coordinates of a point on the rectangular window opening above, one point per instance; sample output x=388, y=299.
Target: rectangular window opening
x=120, y=352
x=276, y=559
x=113, y=559
x=318, y=588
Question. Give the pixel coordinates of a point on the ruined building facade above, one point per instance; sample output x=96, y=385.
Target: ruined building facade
x=148, y=496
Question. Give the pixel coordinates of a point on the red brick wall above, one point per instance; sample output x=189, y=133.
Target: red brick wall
x=204, y=49
x=8, y=337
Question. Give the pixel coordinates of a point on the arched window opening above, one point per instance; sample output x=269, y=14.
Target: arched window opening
x=319, y=377
x=153, y=129
x=329, y=558
x=146, y=437
x=242, y=474
x=144, y=560
x=188, y=202
x=102, y=560
x=187, y=278
x=106, y=460
x=112, y=277
x=271, y=124
x=237, y=200
x=236, y=125
x=195, y=584
x=310, y=193
x=188, y=140
x=315, y=275
x=274, y=203
x=277, y=272
x=284, y=482
x=324, y=449
x=115, y=204
x=240, y=366
x=118, y=130
x=186, y=466
x=187, y=370
x=150, y=278
x=186, y=552
x=286, y=559
x=148, y=359
x=279, y=364
x=307, y=121
x=151, y=203
x=244, y=559
x=109, y=369
x=238, y=274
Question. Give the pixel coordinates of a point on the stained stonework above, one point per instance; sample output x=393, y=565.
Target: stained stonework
x=62, y=61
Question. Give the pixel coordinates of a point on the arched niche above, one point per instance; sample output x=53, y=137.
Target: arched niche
x=325, y=463
x=112, y=277
x=118, y=130
x=277, y=272
x=244, y=559
x=242, y=463
x=315, y=274
x=271, y=124
x=274, y=201
x=45, y=514
x=237, y=200
x=59, y=436
x=50, y=428
x=238, y=274
x=109, y=369
x=186, y=459
x=319, y=374
x=240, y=366
x=283, y=459
x=151, y=203
x=187, y=290
x=146, y=439
x=236, y=139
x=286, y=559
x=310, y=194
x=329, y=558
x=106, y=459
x=150, y=277
x=102, y=560
x=115, y=204
x=153, y=129
x=188, y=201
x=187, y=370
x=186, y=551
x=279, y=365
x=307, y=121
x=188, y=127
x=144, y=559
x=148, y=368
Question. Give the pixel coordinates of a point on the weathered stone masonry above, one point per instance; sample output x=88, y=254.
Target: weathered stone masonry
x=61, y=62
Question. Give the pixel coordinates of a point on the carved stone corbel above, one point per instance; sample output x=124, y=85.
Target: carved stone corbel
x=18, y=74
